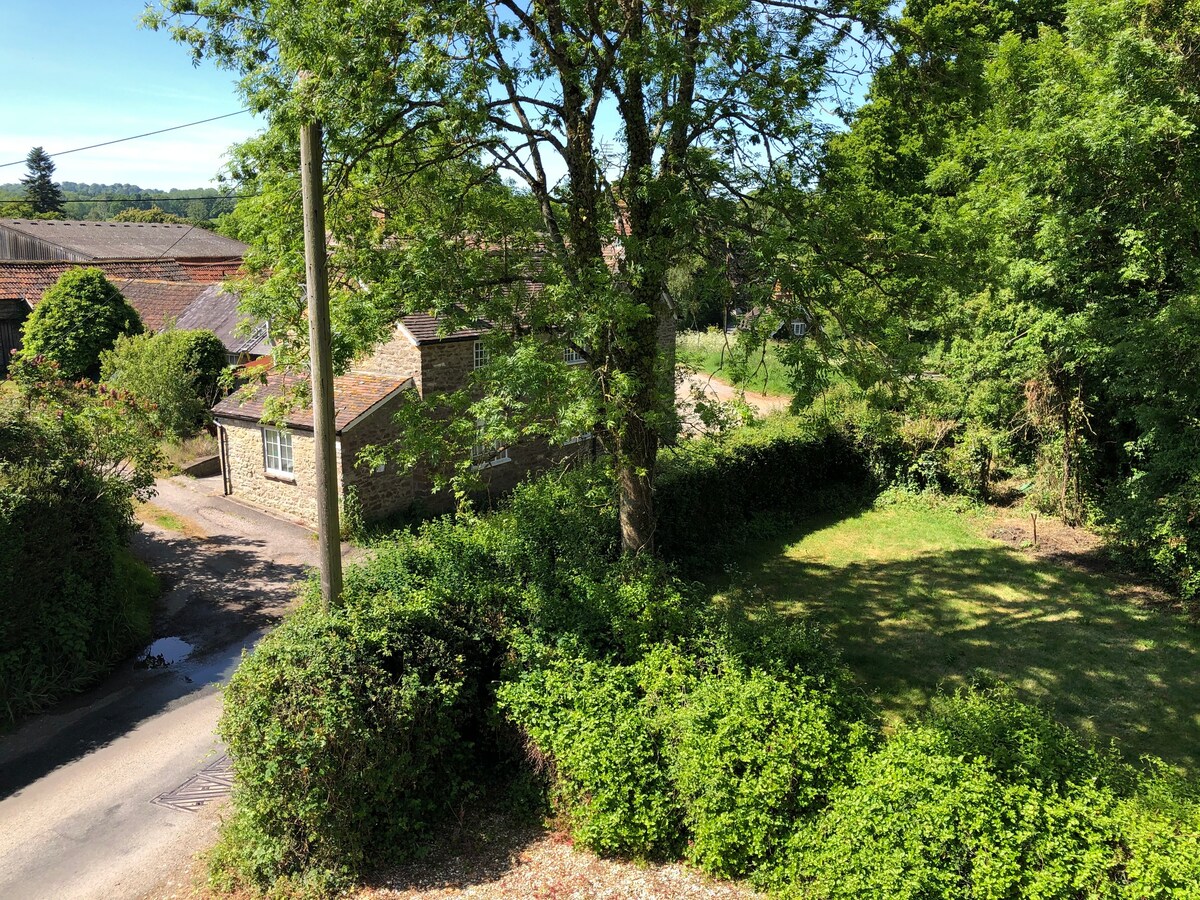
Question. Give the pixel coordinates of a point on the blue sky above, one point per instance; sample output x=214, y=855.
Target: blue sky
x=78, y=72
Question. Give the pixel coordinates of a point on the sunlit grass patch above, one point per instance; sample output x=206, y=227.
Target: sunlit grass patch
x=711, y=352
x=919, y=601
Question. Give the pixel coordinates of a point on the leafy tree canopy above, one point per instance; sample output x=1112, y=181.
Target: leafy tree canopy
x=540, y=166
x=81, y=316
x=177, y=373
x=153, y=214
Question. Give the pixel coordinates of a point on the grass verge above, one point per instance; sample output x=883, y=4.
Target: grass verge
x=718, y=355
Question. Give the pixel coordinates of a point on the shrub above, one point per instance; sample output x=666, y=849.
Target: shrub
x=1159, y=850
x=352, y=735
x=681, y=746
x=593, y=724
x=72, y=599
x=78, y=318
x=921, y=823
x=992, y=798
x=1019, y=742
x=176, y=372
x=778, y=470
x=753, y=754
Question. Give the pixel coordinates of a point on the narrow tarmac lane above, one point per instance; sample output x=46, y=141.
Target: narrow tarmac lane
x=110, y=794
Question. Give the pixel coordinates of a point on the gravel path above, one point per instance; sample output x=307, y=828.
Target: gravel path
x=503, y=861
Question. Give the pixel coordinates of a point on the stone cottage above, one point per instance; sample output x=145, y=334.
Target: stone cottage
x=274, y=467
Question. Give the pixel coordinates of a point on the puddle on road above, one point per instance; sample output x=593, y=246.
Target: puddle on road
x=162, y=653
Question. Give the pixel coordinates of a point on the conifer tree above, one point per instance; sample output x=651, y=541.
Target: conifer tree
x=41, y=193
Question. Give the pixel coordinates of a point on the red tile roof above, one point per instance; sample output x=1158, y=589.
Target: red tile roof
x=354, y=395
x=28, y=280
x=212, y=271
x=160, y=303
x=427, y=329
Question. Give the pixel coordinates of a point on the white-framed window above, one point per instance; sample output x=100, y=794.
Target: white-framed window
x=799, y=327
x=483, y=355
x=485, y=453
x=572, y=357
x=277, y=453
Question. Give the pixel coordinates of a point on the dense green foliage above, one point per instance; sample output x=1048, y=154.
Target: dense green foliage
x=78, y=318
x=106, y=201
x=661, y=726
x=562, y=215
x=177, y=373
x=352, y=734
x=151, y=214
x=992, y=799
x=1014, y=209
x=72, y=599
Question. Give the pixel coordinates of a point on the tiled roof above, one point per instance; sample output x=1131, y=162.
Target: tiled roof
x=427, y=329
x=211, y=271
x=28, y=280
x=124, y=240
x=217, y=310
x=353, y=395
x=160, y=303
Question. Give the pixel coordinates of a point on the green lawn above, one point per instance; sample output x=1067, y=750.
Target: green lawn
x=709, y=352
x=918, y=599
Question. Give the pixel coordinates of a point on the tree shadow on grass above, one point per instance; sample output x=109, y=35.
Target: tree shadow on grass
x=1069, y=640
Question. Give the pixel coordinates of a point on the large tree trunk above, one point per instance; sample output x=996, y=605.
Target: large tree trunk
x=636, y=454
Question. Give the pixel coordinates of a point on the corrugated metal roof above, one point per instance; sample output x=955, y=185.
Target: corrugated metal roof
x=354, y=395
x=125, y=240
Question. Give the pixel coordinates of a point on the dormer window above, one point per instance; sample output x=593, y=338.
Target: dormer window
x=572, y=357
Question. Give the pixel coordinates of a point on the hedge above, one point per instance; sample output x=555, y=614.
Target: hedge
x=72, y=599
x=663, y=727
x=712, y=493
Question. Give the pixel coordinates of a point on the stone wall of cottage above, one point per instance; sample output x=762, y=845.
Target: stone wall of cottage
x=445, y=366
x=396, y=356
x=295, y=498
x=379, y=494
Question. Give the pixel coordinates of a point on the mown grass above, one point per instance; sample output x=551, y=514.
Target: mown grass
x=919, y=601
x=713, y=353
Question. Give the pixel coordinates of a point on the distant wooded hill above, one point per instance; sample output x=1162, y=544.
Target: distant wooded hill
x=197, y=204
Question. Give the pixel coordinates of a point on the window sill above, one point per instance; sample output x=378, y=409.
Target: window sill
x=285, y=477
x=487, y=464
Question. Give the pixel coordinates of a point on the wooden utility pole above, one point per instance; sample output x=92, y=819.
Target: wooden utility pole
x=320, y=363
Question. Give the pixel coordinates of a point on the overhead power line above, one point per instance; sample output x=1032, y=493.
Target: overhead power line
x=137, y=199
x=133, y=137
